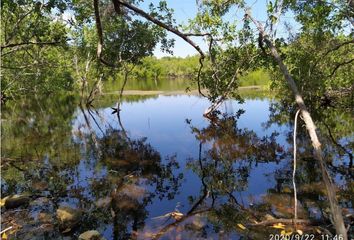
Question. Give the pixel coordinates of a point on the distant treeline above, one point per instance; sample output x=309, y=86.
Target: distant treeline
x=186, y=68
x=167, y=67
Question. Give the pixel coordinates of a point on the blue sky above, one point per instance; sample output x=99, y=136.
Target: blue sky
x=186, y=9
x=183, y=10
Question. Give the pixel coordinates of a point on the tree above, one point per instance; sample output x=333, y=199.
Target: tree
x=34, y=47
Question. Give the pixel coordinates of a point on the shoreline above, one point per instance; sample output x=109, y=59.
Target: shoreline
x=173, y=92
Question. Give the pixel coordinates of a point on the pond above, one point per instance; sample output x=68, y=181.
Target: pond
x=160, y=170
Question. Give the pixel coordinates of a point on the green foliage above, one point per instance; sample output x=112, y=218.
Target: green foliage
x=30, y=63
x=221, y=75
x=315, y=66
x=259, y=77
x=39, y=57
x=210, y=18
x=318, y=17
x=167, y=67
x=43, y=53
x=320, y=57
x=129, y=40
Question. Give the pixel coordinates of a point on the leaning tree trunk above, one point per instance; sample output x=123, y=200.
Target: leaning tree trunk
x=311, y=129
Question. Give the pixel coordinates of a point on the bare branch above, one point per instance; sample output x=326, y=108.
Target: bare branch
x=201, y=59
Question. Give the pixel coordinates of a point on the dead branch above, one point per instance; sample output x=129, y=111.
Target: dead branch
x=311, y=128
x=94, y=90
x=294, y=169
x=127, y=71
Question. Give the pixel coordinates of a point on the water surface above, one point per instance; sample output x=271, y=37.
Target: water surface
x=162, y=170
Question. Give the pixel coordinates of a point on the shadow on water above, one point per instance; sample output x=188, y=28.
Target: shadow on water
x=165, y=172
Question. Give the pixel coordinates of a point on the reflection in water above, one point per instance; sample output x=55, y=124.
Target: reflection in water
x=135, y=176
x=164, y=172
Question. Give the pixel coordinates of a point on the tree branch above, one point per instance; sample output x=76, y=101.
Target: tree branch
x=100, y=36
x=338, y=65
x=185, y=37
x=197, y=34
x=11, y=45
x=161, y=24
x=335, y=48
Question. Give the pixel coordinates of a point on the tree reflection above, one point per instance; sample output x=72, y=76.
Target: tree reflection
x=227, y=155
x=335, y=123
x=136, y=175
x=128, y=174
x=336, y=127
x=82, y=159
x=35, y=130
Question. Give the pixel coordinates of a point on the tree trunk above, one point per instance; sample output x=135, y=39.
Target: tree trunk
x=311, y=129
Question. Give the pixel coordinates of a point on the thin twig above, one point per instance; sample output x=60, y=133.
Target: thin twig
x=6, y=229
x=294, y=169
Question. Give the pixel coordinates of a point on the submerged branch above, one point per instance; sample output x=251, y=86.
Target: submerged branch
x=167, y=228
x=284, y=221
